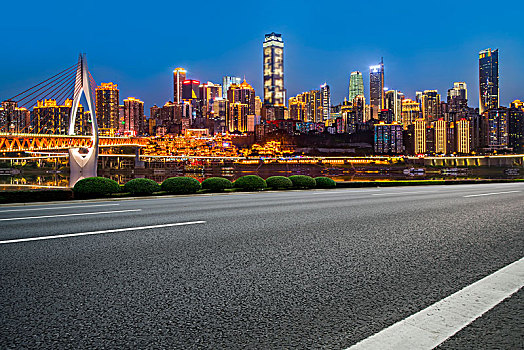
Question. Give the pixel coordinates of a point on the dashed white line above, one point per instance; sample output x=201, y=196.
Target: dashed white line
x=69, y=235
x=74, y=214
x=489, y=194
x=430, y=327
x=51, y=208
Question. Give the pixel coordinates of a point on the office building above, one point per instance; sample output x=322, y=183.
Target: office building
x=497, y=128
x=376, y=89
x=393, y=102
x=179, y=75
x=227, y=81
x=356, y=85
x=440, y=129
x=488, y=80
x=420, y=136
x=430, y=105
x=410, y=112
x=516, y=126
x=243, y=93
x=273, y=68
x=463, y=136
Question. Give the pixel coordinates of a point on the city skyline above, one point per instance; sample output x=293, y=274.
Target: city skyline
x=144, y=70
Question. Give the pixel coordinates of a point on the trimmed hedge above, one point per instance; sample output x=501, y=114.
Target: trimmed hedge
x=250, y=183
x=181, y=185
x=141, y=186
x=23, y=196
x=279, y=182
x=92, y=187
x=325, y=182
x=216, y=184
x=303, y=181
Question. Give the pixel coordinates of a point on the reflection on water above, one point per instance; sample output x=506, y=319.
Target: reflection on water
x=33, y=178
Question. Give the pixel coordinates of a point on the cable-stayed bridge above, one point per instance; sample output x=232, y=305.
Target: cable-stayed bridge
x=50, y=116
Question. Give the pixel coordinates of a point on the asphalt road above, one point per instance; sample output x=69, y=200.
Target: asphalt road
x=319, y=269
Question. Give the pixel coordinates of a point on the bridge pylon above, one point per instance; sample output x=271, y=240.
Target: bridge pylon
x=83, y=164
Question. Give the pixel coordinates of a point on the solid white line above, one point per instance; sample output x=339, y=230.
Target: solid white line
x=430, y=327
x=99, y=232
x=51, y=208
x=488, y=194
x=75, y=214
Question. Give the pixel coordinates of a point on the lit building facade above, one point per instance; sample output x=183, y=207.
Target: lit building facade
x=463, y=136
x=179, y=75
x=13, y=118
x=106, y=108
x=410, y=112
x=326, y=101
x=497, y=120
x=227, y=81
x=356, y=85
x=388, y=138
x=243, y=93
x=274, y=92
x=420, y=136
x=488, y=80
x=376, y=89
x=134, y=122
x=393, y=102
x=441, y=141
x=430, y=104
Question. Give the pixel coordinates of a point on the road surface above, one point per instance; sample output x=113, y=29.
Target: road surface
x=319, y=269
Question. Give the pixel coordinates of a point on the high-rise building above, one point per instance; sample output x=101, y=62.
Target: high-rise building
x=243, y=93
x=393, y=102
x=14, y=118
x=497, y=128
x=388, y=138
x=359, y=109
x=376, y=88
x=462, y=136
x=106, y=108
x=430, y=104
x=209, y=93
x=458, y=96
x=488, y=79
x=133, y=122
x=51, y=118
x=356, y=85
x=258, y=106
x=179, y=75
x=274, y=92
x=516, y=126
x=297, y=109
x=441, y=136
x=237, y=117
x=326, y=101
x=420, y=136
x=227, y=81
x=410, y=112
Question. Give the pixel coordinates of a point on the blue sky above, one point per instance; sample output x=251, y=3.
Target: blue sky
x=425, y=45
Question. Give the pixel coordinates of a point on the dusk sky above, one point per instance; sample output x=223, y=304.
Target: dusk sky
x=425, y=45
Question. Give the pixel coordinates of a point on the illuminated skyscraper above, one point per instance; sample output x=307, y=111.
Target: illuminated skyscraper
x=134, y=122
x=376, y=88
x=441, y=136
x=15, y=118
x=410, y=112
x=356, y=85
x=462, y=136
x=326, y=101
x=420, y=136
x=106, y=109
x=227, y=81
x=243, y=93
x=488, y=79
x=179, y=75
x=430, y=104
x=458, y=97
x=393, y=102
x=274, y=93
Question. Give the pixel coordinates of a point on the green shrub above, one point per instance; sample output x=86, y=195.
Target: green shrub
x=181, y=185
x=92, y=187
x=302, y=181
x=250, y=183
x=279, y=182
x=216, y=184
x=141, y=186
x=325, y=182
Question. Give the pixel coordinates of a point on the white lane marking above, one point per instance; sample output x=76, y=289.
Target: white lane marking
x=74, y=214
x=99, y=232
x=430, y=327
x=51, y=208
x=398, y=193
x=488, y=194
